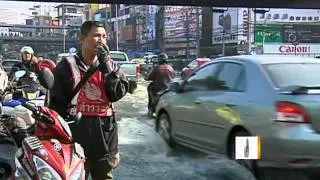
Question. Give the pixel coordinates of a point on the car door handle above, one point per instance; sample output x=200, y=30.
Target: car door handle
x=197, y=102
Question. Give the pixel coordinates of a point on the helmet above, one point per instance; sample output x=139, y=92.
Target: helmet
x=27, y=49
x=47, y=63
x=162, y=58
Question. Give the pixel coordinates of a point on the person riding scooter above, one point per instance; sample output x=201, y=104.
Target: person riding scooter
x=29, y=63
x=161, y=77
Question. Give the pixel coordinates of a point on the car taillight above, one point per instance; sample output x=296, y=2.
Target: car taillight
x=291, y=113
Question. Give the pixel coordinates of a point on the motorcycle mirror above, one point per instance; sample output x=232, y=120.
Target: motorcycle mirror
x=46, y=78
x=78, y=117
x=19, y=74
x=1, y=109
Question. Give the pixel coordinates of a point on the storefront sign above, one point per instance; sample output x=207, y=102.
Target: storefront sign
x=268, y=33
x=291, y=49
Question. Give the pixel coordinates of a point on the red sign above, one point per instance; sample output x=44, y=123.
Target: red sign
x=55, y=23
x=245, y=23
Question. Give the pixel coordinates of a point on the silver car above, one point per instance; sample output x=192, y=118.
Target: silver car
x=275, y=97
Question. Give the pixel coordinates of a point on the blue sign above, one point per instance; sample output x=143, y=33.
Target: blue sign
x=72, y=50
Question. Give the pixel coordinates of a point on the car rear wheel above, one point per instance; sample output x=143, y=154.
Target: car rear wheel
x=164, y=129
x=249, y=164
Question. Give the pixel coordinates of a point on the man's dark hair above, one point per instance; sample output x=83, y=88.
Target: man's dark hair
x=88, y=25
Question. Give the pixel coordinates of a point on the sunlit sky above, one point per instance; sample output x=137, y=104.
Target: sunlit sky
x=23, y=6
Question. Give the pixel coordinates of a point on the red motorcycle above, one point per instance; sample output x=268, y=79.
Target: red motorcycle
x=50, y=151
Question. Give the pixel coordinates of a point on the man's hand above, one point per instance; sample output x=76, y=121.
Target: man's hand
x=102, y=51
x=103, y=56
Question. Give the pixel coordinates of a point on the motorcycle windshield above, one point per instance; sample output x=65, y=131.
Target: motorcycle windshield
x=65, y=126
x=32, y=88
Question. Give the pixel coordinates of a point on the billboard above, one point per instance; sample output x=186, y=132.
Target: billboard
x=237, y=22
x=128, y=32
x=289, y=15
x=225, y=26
x=179, y=20
x=289, y=49
x=151, y=22
x=271, y=33
x=304, y=33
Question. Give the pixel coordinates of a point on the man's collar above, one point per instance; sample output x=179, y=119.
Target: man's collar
x=81, y=62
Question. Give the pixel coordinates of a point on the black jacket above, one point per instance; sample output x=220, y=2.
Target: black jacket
x=62, y=88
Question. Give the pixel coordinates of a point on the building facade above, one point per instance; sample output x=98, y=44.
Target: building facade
x=273, y=31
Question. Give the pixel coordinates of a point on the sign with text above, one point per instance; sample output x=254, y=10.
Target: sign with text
x=306, y=33
x=291, y=49
x=268, y=33
x=248, y=147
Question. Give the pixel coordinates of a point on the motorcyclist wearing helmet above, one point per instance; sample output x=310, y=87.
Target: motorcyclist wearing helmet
x=28, y=62
x=162, y=76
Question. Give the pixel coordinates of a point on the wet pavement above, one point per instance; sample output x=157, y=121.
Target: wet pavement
x=145, y=155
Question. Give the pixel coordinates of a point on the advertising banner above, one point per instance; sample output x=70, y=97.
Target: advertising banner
x=272, y=33
x=291, y=49
x=180, y=21
x=225, y=26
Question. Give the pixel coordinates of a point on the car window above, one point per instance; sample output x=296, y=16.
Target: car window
x=118, y=57
x=294, y=74
x=193, y=63
x=231, y=77
x=203, y=79
x=241, y=83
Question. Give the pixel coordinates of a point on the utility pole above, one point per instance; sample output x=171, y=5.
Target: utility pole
x=162, y=26
x=187, y=34
x=107, y=22
x=64, y=33
x=138, y=31
x=223, y=38
x=254, y=26
x=249, y=30
x=198, y=31
x=160, y=29
x=117, y=33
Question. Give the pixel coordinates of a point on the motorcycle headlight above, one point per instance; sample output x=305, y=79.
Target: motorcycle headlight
x=45, y=172
x=77, y=173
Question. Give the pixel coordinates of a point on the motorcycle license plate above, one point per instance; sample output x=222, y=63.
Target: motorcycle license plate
x=32, y=95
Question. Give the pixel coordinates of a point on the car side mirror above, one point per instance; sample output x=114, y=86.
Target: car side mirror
x=176, y=87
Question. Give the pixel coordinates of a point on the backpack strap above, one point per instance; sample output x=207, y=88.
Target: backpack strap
x=77, y=81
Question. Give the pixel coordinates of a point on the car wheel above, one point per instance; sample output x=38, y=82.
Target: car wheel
x=249, y=164
x=164, y=129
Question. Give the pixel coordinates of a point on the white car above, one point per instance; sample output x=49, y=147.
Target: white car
x=62, y=55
